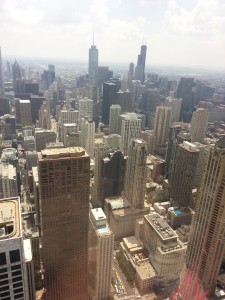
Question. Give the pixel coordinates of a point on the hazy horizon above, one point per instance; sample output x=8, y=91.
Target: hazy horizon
x=177, y=32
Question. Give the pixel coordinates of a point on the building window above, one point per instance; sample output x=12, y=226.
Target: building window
x=2, y=259
x=14, y=256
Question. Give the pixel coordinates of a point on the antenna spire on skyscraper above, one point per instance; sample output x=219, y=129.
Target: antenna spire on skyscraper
x=93, y=38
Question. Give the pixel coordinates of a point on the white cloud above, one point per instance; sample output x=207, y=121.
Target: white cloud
x=205, y=19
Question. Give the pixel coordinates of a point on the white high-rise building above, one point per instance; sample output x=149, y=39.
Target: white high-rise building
x=101, y=242
x=199, y=125
x=68, y=116
x=88, y=136
x=100, y=151
x=8, y=181
x=130, y=129
x=135, y=176
x=85, y=109
x=93, y=66
x=161, y=125
x=114, y=115
x=175, y=105
x=13, y=279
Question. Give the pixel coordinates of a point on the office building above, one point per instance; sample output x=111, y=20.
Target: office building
x=2, y=88
x=29, y=143
x=112, y=140
x=100, y=151
x=93, y=65
x=135, y=176
x=183, y=170
x=109, y=97
x=64, y=179
x=44, y=120
x=136, y=89
x=85, y=109
x=184, y=91
x=36, y=102
x=113, y=173
x=199, y=123
x=150, y=99
x=13, y=279
x=174, y=131
x=130, y=129
x=42, y=137
x=140, y=67
x=88, y=136
x=68, y=116
x=8, y=181
x=175, y=105
x=130, y=75
x=69, y=135
x=122, y=216
x=101, y=242
x=8, y=126
x=4, y=106
x=124, y=99
x=207, y=240
x=161, y=127
x=166, y=252
x=25, y=113
x=150, y=140
x=17, y=76
x=115, y=111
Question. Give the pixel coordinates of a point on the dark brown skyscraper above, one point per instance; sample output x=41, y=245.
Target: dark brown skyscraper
x=64, y=176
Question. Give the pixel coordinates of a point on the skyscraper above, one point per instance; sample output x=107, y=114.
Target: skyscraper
x=115, y=111
x=13, y=279
x=161, y=126
x=17, y=76
x=25, y=113
x=88, y=136
x=185, y=92
x=2, y=89
x=100, y=152
x=101, y=242
x=140, y=67
x=135, y=176
x=64, y=178
x=113, y=172
x=207, y=241
x=130, y=129
x=199, y=123
x=175, y=105
x=93, y=65
x=130, y=74
x=85, y=109
x=109, y=98
x=181, y=180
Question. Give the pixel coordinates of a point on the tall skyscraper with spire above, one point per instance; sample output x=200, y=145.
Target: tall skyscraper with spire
x=93, y=65
x=140, y=67
x=2, y=89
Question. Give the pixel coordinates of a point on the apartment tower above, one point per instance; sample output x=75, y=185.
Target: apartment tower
x=135, y=175
x=199, y=123
x=182, y=177
x=207, y=241
x=64, y=178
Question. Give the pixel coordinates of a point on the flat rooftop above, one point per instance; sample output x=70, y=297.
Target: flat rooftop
x=9, y=218
x=161, y=226
x=35, y=174
x=132, y=242
x=25, y=101
x=98, y=214
x=62, y=153
x=117, y=202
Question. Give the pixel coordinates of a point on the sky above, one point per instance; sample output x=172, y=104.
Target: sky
x=177, y=32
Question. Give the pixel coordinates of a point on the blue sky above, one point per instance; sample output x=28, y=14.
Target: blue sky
x=177, y=32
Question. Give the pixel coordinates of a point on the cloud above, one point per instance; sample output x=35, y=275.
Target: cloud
x=205, y=19
x=27, y=15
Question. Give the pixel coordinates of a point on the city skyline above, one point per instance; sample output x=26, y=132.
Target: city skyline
x=176, y=33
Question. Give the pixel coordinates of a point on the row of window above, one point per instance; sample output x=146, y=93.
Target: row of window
x=14, y=257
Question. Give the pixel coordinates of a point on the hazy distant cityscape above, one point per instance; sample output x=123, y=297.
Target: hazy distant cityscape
x=112, y=174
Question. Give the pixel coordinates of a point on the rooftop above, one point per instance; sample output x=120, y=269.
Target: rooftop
x=98, y=214
x=10, y=218
x=25, y=101
x=62, y=153
x=161, y=226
